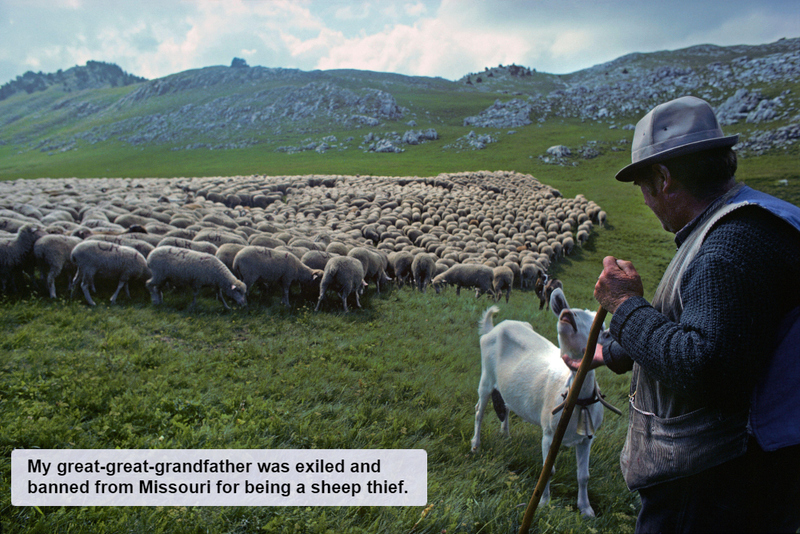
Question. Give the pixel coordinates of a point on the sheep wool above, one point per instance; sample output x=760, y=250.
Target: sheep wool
x=185, y=267
x=270, y=266
x=109, y=260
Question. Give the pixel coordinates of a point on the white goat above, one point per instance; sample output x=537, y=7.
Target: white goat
x=523, y=372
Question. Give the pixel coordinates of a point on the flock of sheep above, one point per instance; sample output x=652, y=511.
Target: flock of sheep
x=483, y=230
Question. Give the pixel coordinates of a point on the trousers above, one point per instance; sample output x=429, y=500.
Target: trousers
x=758, y=492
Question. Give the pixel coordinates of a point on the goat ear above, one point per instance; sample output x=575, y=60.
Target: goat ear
x=558, y=301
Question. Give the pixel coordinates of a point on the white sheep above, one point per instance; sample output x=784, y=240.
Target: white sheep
x=522, y=371
x=345, y=274
x=400, y=266
x=52, y=253
x=16, y=254
x=261, y=264
x=466, y=275
x=200, y=246
x=108, y=260
x=185, y=267
x=502, y=281
x=423, y=269
x=227, y=252
x=373, y=263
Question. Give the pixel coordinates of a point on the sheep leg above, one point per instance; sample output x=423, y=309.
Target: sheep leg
x=285, y=299
x=85, y=288
x=222, y=298
x=51, y=281
x=119, y=286
x=582, y=450
x=343, y=294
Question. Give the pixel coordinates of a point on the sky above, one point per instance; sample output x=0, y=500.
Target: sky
x=446, y=38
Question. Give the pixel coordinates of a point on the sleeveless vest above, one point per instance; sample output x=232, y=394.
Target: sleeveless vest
x=669, y=437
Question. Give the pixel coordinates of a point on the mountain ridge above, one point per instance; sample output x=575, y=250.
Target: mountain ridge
x=290, y=110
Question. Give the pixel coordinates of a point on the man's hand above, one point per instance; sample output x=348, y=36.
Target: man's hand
x=618, y=282
x=597, y=360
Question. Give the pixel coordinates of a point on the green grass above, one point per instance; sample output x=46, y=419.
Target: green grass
x=400, y=373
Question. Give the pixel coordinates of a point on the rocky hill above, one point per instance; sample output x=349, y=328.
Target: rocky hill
x=94, y=75
x=288, y=110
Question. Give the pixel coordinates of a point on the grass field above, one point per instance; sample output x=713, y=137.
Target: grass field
x=400, y=373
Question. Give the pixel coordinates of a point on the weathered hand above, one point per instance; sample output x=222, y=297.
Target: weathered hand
x=597, y=359
x=617, y=283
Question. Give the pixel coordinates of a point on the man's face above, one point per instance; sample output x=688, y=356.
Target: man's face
x=654, y=199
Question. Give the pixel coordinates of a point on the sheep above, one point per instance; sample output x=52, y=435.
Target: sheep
x=199, y=246
x=544, y=289
x=316, y=259
x=372, y=261
x=52, y=253
x=17, y=253
x=182, y=266
x=523, y=372
x=529, y=274
x=109, y=260
x=143, y=247
x=502, y=281
x=345, y=274
x=466, y=275
x=227, y=252
x=270, y=266
x=400, y=266
x=423, y=270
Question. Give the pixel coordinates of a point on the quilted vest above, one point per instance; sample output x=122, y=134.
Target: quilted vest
x=669, y=438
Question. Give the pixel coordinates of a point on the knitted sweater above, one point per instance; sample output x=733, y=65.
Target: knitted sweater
x=743, y=281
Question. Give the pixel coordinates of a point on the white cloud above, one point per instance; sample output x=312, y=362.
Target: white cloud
x=415, y=10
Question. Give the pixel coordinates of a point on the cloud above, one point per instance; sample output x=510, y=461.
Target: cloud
x=446, y=38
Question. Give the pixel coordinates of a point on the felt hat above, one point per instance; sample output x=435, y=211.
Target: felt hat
x=675, y=128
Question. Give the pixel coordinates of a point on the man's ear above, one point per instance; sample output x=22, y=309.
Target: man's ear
x=663, y=180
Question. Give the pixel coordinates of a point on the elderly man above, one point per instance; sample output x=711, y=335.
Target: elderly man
x=714, y=426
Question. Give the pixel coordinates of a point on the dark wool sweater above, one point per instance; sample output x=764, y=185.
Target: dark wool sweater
x=742, y=282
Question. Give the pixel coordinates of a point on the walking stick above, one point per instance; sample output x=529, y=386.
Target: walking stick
x=577, y=382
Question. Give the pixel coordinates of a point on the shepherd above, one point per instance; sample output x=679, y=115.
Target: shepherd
x=713, y=442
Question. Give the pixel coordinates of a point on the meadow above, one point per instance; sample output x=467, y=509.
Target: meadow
x=401, y=373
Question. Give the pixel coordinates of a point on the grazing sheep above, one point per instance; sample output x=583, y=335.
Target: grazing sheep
x=108, y=260
x=16, y=254
x=544, y=289
x=52, y=253
x=529, y=274
x=199, y=246
x=265, y=240
x=523, y=372
x=345, y=274
x=400, y=267
x=466, y=275
x=142, y=247
x=372, y=261
x=227, y=252
x=423, y=268
x=218, y=237
x=184, y=267
x=316, y=259
x=270, y=266
x=502, y=281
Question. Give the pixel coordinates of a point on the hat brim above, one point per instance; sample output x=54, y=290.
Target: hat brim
x=629, y=173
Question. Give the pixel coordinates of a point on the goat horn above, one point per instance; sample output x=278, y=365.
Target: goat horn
x=569, y=406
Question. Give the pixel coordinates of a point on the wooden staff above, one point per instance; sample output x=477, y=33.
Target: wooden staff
x=577, y=382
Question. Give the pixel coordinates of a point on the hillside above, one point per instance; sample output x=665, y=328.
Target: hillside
x=59, y=124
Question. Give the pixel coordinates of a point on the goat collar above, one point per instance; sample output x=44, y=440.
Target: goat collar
x=596, y=396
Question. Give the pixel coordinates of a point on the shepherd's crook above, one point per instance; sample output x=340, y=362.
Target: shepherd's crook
x=580, y=375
